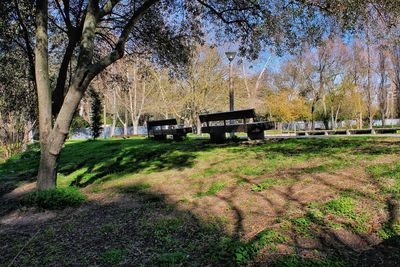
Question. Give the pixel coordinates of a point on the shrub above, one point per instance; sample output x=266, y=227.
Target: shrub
x=55, y=199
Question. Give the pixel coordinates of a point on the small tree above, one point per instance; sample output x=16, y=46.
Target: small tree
x=95, y=114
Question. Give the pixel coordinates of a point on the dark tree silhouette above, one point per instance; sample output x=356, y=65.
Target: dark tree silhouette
x=95, y=114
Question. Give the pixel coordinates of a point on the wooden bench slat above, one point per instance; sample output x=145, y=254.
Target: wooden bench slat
x=161, y=122
x=229, y=115
x=178, y=131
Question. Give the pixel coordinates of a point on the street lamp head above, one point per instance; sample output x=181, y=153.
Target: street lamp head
x=230, y=55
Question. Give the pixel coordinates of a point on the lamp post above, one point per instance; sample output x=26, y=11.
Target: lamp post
x=231, y=56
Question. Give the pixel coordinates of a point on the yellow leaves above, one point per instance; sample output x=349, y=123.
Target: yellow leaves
x=286, y=105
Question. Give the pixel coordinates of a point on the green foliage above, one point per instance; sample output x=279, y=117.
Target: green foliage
x=265, y=184
x=237, y=252
x=55, y=199
x=387, y=231
x=95, y=114
x=113, y=256
x=213, y=190
x=78, y=122
x=302, y=225
x=341, y=206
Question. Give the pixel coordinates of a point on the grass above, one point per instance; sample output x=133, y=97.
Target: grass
x=113, y=256
x=387, y=175
x=192, y=203
x=132, y=189
x=265, y=184
x=342, y=206
x=213, y=190
x=55, y=199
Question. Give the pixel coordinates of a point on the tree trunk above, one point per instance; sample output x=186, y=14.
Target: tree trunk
x=312, y=117
x=47, y=174
x=126, y=123
x=114, y=118
x=326, y=123
x=135, y=125
x=369, y=78
x=198, y=125
x=104, y=119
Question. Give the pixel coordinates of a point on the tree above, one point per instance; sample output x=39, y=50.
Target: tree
x=202, y=88
x=147, y=26
x=17, y=102
x=286, y=106
x=95, y=114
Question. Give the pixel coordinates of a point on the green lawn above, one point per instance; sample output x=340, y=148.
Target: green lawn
x=294, y=202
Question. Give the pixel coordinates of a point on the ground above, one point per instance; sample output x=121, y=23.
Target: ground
x=295, y=202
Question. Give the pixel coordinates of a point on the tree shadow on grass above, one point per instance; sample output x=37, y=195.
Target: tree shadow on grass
x=143, y=228
x=93, y=160
x=130, y=157
x=136, y=229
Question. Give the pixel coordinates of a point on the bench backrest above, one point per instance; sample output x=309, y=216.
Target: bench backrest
x=151, y=124
x=229, y=115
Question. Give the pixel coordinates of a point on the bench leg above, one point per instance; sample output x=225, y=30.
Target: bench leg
x=256, y=136
x=218, y=137
x=160, y=137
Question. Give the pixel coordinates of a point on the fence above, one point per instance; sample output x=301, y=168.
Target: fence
x=84, y=133
x=301, y=125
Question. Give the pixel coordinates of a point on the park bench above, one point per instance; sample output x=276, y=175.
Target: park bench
x=254, y=130
x=159, y=129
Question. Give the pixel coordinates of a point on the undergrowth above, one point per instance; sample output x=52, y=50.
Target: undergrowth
x=55, y=199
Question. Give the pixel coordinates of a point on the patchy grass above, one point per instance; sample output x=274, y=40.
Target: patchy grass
x=132, y=189
x=55, y=199
x=213, y=190
x=387, y=175
x=277, y=203
x=265, y=184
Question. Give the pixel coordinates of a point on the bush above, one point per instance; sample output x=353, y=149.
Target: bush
x=55, y=199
